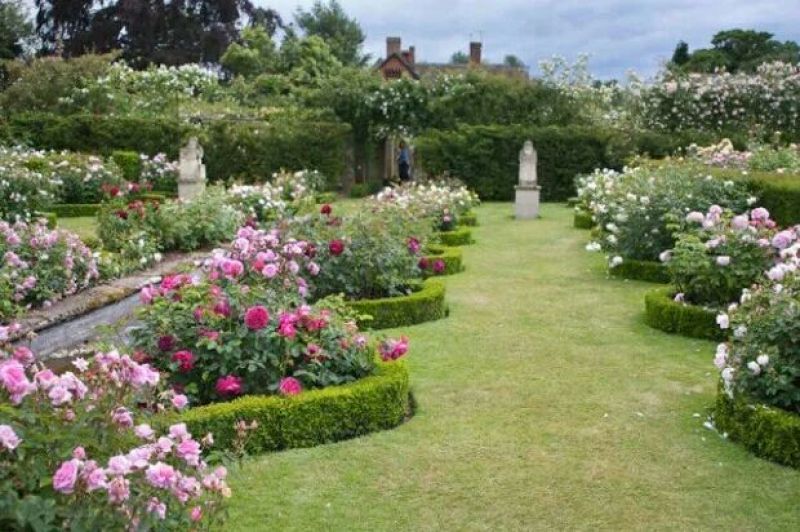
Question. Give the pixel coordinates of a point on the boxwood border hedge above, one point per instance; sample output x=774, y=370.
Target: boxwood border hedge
x=461, y=236
x=664, y=314
x=315, y=417
x=75, y=210
x=469, y=219
x=425, y=304
x=641, y=270
x=583, y=220
x=770, y=433
x=453, y=258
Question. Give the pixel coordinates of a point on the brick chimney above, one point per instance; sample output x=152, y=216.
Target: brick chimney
x=393, y=46
x=475, y=53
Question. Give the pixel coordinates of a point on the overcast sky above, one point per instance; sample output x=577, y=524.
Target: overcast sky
x=619, y=34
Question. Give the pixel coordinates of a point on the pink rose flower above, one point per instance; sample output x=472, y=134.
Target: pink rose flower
x=161, y=475
x=9, y=438
x=180, y=401
x=65, y=477
x=290, y=386
x=439, y=266
x=229, y=386
x=144, y=431
x=336, y=247
x=256, y=318
x=166, y=343
x=14, y=380
x=118, y=490
x=189, y=451
x=185, y=361
x=196, y=514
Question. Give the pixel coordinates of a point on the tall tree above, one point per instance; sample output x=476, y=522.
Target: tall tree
x=15, y=28
x=512, y=60
x=736, y=50
x=459, y=58
x=342, y=33
x=681, y=54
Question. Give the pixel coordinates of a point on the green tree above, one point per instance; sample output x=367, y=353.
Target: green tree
x=681, y=54
x=342, y=33
x=512, y=60
x=459, y=58
x=255, y=54
x=15, y=28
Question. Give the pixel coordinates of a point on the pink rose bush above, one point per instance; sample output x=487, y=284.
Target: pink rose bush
x=74, y=452
x=722, y=253
x=40, y=266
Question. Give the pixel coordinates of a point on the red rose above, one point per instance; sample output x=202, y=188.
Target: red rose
x=166, y=343
x=121, y=214
x=336, y=247
x=423, y=263
x=256, y=318
x=326, y=210
x=185, y=360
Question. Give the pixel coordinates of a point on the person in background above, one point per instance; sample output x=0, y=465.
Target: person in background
x=404, y=162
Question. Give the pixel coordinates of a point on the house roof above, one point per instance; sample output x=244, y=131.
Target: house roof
x=411, y=70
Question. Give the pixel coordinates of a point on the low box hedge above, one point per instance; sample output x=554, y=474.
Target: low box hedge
x=461, y=236
x=378, y=402
x=469, y=219
x=75, y=210
x=453, y=258
x=425, y=304
x=662, y=312
x=771, y=433
x=583, y=220
x=641, y=270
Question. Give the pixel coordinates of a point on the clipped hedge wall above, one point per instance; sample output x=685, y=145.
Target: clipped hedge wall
x=453, y=258
x=778, y=193
x=461, y=236
x=469, y=219
x=314, y=417
x=253, y=151
x=582, y=220
x=423, y=305
x=129, y=162
x=641, y=270
x=75, y=210
x=770, y=433
x=663, y=313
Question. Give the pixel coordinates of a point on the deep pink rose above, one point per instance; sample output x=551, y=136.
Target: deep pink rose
x=336, y=247
x=229, y=386
x=326, y=209
x=222, y=308
x=438, y=266
x=424, y=263
x=290, y=386
x=256, y=318
x=166, y=343
x=185, y=361
x=413, y=245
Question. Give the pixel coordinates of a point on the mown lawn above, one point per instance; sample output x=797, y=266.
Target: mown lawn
x=83, y=226
x=544, y=402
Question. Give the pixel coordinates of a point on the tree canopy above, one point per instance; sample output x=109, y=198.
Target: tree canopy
x=735, y=50
x=342, y=33
x=15, y=29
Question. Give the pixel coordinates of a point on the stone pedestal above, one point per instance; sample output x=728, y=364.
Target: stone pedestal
x=192, y=175
x=526, y=206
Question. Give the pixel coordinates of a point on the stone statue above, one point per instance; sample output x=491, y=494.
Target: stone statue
x=192, y=178
x=526, y=205
x=528, y=159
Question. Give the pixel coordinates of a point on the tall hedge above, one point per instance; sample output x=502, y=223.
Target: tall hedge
x=779, y=193
x=253, y=151
x=248, y=150
x=486, y=158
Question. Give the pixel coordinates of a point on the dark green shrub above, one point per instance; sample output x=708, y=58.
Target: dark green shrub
x=641, y=270
x=778, y=193
x=362, y=190
x=458, y=237
x=452, y=257
x=129, y=162
x=770, y=433
x=583, y=220
x=425, y=304
x=315, y=417
x=663, y=313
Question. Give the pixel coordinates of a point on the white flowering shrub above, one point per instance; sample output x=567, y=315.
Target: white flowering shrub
x=286, y=194
x=641, y=210
x=441, y=201
x=764, y=102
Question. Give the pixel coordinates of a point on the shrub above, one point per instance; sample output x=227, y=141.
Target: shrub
x=425, y=303
x=720, y=255
x=74, y=456
x=468, y=219
x=770, y=433
x=158, y=172
x=582, y=219
x=75, y=210
x=365, y=255
x=40, y=266
x=641, y=211
x=441, y=260
x=129, y=163
x=664, y=313
x=761, y=361
x=377, y=402
x=641, y=270
x=458, y=237
x=286, y=194
x=441, y=201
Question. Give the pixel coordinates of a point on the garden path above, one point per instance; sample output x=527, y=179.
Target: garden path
x=544, y=402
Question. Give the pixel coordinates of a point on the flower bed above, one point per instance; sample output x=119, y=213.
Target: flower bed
x=442, y=260
x=771, y=433
x=378, y=402
x=641, y=270
x=425, y=304
x=457, y=237
x=583, y=220
x=664, y=313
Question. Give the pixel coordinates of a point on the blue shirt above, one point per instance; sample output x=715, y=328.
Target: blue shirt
x=405, y=156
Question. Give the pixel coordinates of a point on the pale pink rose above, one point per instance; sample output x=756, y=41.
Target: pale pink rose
x=179, y=432
x=14, y=380
x=196, y=514
x=59, y=395
x=96, y=480
x=24, y=356
x=270, y=271
x=65, y=477
x=157, y=507
x=180, y=401
x=118, y=490
x=189, y=451
x=144, y=431
x=79, y=453
x=161, y=475
x=9, y=438
x=118, y=465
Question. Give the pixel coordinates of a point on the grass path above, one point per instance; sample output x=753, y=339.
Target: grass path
x=544, y=402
